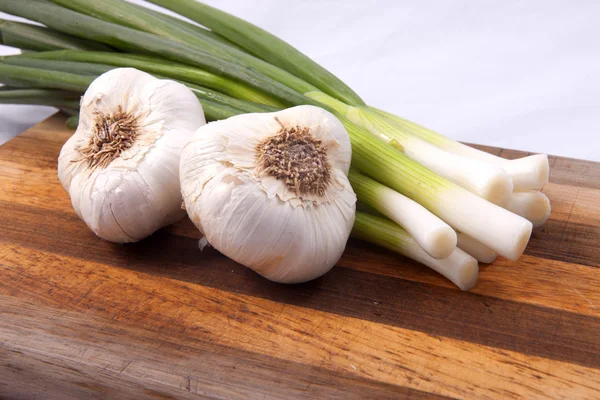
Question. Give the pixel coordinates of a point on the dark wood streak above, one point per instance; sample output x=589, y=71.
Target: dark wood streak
x=446, y=312
x=569, y=242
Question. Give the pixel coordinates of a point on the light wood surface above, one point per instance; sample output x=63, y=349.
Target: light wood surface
x=81, y=318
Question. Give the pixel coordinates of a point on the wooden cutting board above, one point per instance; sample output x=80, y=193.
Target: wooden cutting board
x=83, y=318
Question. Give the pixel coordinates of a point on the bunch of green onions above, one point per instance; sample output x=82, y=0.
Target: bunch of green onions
x=416, y=188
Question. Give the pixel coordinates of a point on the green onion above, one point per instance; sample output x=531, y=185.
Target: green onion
x=530, y=172
x=264, y=45
x=73, y=121
x=41, y=78
x=213, y=111
x=488, y=181
x=216, y=97
x=128, y=15
x=531, y=205
x=165, y=68
x=430, y=232
x=460, y=268
x=128, y=39
x=94, y=70
x=20, y=93
x=46, y=97
x=143, y=19
x=79, y=68
x=464, y=211
x=38, y=38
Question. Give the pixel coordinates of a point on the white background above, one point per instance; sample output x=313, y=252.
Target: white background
x=521, y=74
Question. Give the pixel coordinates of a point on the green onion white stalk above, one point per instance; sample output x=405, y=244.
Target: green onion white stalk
x=460, y=268
x=486, y=180
x=430, y=232
x=479, y=251
x=530, y=172
x=532, y=205
x=497, y=228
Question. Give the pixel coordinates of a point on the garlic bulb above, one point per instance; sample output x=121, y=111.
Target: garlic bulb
x=121, y=166
x=270, y=190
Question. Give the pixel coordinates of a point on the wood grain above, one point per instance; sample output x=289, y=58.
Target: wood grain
x=83, y=318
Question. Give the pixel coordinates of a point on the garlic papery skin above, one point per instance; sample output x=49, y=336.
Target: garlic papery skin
x=121, y=166
x=240, y=188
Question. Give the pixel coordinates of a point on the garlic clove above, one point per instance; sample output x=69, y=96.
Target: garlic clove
x=124, y=208
x=121, y=166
